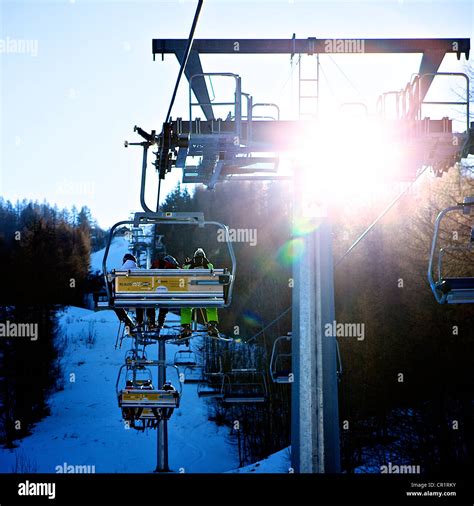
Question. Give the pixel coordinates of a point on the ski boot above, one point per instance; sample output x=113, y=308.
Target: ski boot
x=129, y=326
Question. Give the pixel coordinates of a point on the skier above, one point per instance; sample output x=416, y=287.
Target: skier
x=167, y=262
x=169, y=387
x=167, y=412
x=129, y=262
x=147, y=385
x=199, y=261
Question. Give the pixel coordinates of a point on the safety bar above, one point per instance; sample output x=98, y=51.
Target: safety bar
x=466, y=103
x=442, y=251
x=408, y=101
x=468, y=204
x=118, y=390
x=237, y=102
x=234, y=391
x=275, y=355
x=381, y=103
x=169, y=218
x=267, y=104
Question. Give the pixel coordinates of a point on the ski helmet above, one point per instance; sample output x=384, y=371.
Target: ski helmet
x=170, y=262
x=199, y=253
x=129, y=256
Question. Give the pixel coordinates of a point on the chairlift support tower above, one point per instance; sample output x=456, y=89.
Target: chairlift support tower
x=315, y=420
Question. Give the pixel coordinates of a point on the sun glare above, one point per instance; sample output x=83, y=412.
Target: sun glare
x=352, y=159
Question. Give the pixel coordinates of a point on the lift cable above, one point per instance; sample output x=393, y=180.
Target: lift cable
x=380, y=216
x=185, y=59
x=187, y=52
x=158, y=196
x=345, y=75
x=358, y=240
x=327, y=80
x=269, y=325
x=290, y=75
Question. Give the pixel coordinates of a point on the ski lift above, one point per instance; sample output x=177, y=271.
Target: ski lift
x=185, y=358
x=244, y=386
x=132, y=357
x=169, y=288
x=213, y=364
x=140, y=400
x=232, y=139
x=280, y=362
x=450, y=289
x=193, y=374
x=211, y=389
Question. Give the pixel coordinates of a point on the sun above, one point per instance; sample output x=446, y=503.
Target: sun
x=348, y=162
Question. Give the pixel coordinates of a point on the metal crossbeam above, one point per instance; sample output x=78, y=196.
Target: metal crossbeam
x=312, y=45
x=433, y=51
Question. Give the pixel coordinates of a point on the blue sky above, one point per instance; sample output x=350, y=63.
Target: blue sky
x=66, y=111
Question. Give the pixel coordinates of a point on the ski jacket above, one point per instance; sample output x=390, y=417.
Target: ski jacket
x=129, y=264
x=205, y=265
x=161, y=264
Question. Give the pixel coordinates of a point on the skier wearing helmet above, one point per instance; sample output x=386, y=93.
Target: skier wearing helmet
x=129, y=262
x=166, y=262
x=199, y=261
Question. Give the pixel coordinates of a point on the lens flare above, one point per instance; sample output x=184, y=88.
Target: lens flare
x=252, y=319
x=304, y=226
x=290, y=252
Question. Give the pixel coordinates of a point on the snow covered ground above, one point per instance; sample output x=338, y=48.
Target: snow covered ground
x=279, y=462
x=85, y=426
x=118, y=248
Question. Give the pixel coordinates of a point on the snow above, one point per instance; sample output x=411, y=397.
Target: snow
x=279, y=462
x=85, y=426
x=118, y=248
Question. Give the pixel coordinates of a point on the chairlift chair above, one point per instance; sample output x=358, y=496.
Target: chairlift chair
x=280, y=362
x=169, y=288
x=185, y=358
x=193, y=374
x=244, y=387
x=132, y=356
x=138, y=402
x=187, y=363
x=213, y=364
x=448, y=289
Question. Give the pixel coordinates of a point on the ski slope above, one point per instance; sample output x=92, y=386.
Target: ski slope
x=279, y=462
x=85, y=426
x=118, y=248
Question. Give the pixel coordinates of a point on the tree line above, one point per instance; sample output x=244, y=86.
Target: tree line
x=44, y=265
